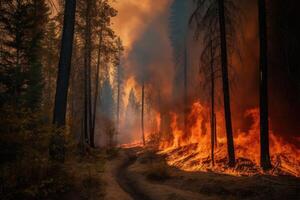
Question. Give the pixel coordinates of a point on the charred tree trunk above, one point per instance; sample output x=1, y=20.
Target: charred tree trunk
x=60, y=105
x=226, y=92
x=97, y=84
x=56, y=148
x=142, y=117
x=264, y=124
x=213, y=135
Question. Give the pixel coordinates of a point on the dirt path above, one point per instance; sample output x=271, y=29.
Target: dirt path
x=119, y=185
x=135, y=186
x=127, y=178
x=125, y=182
x=113, y=189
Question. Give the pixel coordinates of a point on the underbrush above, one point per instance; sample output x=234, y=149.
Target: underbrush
x=26, y=172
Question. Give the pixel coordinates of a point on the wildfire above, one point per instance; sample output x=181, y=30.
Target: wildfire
x=190, y=150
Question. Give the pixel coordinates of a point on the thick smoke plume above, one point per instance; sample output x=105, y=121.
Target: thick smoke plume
x=144, y=27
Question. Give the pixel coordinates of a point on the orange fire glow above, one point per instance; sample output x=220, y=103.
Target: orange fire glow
x=193, y=153
x=190, y=149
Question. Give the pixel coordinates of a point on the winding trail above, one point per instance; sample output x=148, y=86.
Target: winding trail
x=126, y=179
x=125, y=182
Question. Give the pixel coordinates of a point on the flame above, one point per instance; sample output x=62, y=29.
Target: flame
x=190, y=150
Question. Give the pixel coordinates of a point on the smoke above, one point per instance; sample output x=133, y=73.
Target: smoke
x=143, y=28
x=134, y=17
x=149, y=58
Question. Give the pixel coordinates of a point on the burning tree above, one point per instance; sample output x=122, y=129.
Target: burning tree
x=217, y=20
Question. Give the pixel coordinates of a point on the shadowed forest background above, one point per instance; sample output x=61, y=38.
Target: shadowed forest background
x=128, y=99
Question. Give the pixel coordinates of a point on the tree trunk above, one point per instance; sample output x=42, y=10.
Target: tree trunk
x=73, y=126
x=60, y=105
x=89, y=52
x=142, y=117
x=87, y=66
x=212, y=104
x=97, y=85
x=264, y=125
x=226, y=92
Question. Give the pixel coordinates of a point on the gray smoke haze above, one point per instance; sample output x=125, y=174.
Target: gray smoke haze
x=151, y=60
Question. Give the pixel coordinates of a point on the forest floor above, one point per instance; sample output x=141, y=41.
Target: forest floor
x=139, y=174
x=136, y=174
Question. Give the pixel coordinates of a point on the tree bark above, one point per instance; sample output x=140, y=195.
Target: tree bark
x=226, y=92
x=60, y=105
x=57, y=146
x=263, y=69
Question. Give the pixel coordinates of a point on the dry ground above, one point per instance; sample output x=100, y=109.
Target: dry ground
x=141, y=175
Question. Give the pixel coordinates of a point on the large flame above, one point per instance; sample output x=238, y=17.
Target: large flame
x=192, y=151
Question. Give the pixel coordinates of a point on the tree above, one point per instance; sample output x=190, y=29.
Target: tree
x=64, y=66
x=264, y=123
x=35, y=80
x=105, y=47
x=87, y=72
x=218, y=17
x=56, y=147
x=97, y=81
x=213, y=114
x=226, y=91
x=22, y=29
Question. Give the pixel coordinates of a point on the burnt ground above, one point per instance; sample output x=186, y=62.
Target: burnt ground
x=141, y=175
